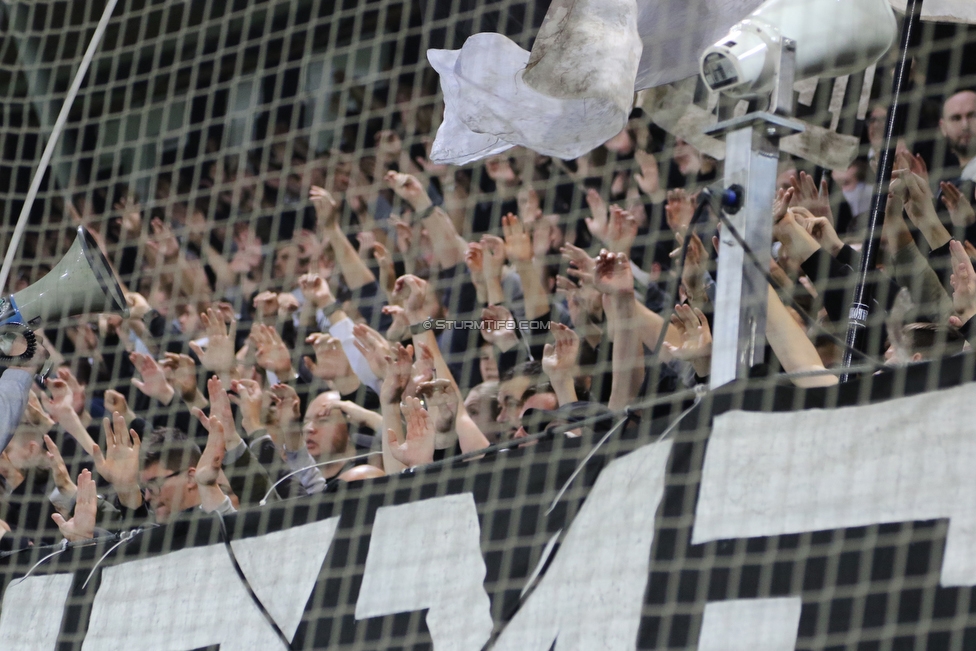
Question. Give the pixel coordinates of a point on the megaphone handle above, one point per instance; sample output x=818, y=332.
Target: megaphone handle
x=28, y=335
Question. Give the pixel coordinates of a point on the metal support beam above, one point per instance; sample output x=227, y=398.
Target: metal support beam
x=751, y=161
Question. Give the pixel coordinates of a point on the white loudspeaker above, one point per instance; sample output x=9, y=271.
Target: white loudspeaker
x=833, y=38
x=81, y=283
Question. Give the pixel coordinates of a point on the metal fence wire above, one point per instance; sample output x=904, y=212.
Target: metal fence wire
x=381, y=402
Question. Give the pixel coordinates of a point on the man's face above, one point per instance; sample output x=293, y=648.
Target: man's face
x=167, y=492
x=510, y=399
x=487, y=364
x=958, y=123
x=341, y=175
x=479, y=406
x=288, y=263
x=876, y=126
x=326, y=429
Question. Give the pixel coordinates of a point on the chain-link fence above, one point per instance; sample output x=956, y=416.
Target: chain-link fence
x=325, y=330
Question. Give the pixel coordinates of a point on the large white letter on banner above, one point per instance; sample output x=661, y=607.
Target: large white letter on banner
x=193, y=598
x=751, y=625
x=30, y=618
x=896, y=461
x=427, y=555
x=592, y=595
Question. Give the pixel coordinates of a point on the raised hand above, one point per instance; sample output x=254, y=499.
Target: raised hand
x=82, y=525
x=385, y=264
x=397, y=374
x=518, y=243
x=207, y=470
x=823, y=232
x=131, y=217
x=163, y=245
x=528, y=206
x=583, y=267
x=497, y=319
x=316, y=290
x=960, y=209
x=61, y=403
x=422, y=370
x=138, y=305
x=693, y=272
x=35, y=414
x=442, y=403
x=418, y=448
x=266, y=305
x=400, y=327
x=493, y=250
x=115, y=401
x=583, y=302
x=366, y=241
x=153, y=382
x=219, y=410
x=918, y=194
x=613, y=274
x=559, y=358
x=251, y=401
x=287, y=410
x=120, y=464
x=271, y=354
x=597, y=222
x=806, y=195
x=59, y=470
x=373, y=347
x=963, y=282
x=695, y=338
x=474, y=258
x=404, y=235
x=248, y=256
x=330, y=359
x=411, y=292
x=77, y=390
x=326, y=207
x=388, y=146
x=679, y=211
x=649, y=179
x=621, y=231
x=409, y=189
x=219, y=355
x=287, y=306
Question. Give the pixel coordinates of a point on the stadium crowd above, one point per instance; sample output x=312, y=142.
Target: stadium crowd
x=308, y=319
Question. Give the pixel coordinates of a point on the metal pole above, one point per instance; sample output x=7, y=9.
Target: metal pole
x=860, y=304
x=52, y=141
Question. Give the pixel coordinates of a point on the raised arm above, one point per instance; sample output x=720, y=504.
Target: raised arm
x=518, y=248
x=793, y=348
x=613, y=277
x=353, y=269
x=559, y=362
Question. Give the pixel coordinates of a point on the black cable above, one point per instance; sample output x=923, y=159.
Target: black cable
x=247, y=584
x=860, y=302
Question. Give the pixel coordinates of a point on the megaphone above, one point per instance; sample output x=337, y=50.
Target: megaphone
x=833, y=38
x=81, y=283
